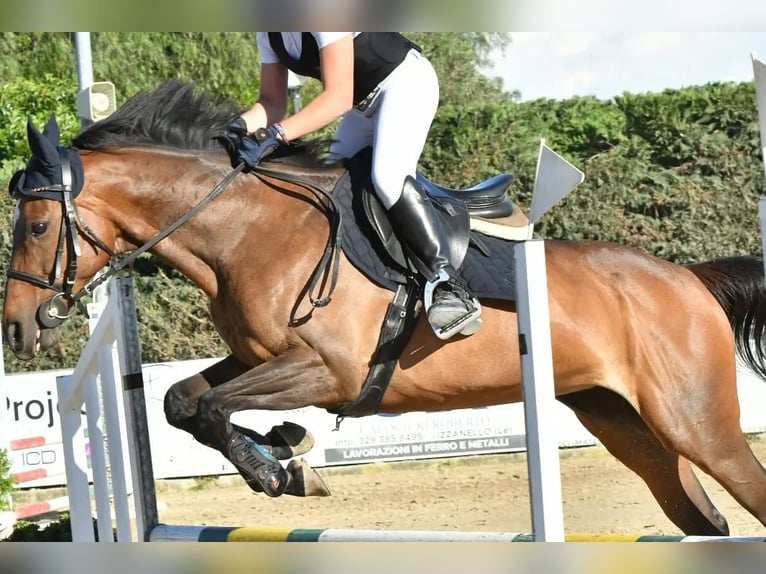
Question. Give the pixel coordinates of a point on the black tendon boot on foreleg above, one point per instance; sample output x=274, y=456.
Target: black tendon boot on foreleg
x=261, y=470
x=452, y=308
x=257, y=465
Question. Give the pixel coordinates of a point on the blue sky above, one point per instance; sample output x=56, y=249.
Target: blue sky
x=605, y=64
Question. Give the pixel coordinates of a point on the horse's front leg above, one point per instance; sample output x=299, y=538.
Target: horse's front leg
x=295, y=379
x=182, y=403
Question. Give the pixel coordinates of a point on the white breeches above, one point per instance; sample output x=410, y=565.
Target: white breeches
x=396, y=125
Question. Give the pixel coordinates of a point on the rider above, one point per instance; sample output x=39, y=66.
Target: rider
x=387, y=93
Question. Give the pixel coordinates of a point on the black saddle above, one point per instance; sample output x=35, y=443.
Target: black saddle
x=484, y=262
x=487, y=199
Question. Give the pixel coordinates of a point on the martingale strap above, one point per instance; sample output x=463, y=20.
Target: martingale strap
x=325, y=275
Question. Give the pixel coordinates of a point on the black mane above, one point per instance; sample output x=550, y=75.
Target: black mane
x=180, y=115
x=175, y=114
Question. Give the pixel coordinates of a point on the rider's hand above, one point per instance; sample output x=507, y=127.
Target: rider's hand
x=254, y=148
x=235, y=132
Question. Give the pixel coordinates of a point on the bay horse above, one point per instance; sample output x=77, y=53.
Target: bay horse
x=643, y=349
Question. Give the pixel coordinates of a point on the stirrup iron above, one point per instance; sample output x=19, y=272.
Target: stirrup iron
x=456, y=326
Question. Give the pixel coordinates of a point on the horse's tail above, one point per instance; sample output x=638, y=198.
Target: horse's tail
x=739, y=286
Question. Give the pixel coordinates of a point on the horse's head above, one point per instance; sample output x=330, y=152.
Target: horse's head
x=48, y=267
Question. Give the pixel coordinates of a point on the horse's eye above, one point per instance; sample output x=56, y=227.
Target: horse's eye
x=39, y=228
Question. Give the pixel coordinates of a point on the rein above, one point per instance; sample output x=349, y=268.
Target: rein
x=55, y=310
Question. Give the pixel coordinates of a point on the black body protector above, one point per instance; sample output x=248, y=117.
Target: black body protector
x=376, y=55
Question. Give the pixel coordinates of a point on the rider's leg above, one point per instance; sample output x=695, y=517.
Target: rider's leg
x=396, y=125
x=403, y=113
x=453, y=309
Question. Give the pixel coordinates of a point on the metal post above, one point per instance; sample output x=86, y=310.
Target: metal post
x=84, y=65
x=759, y=73
x=294, y=83
x=84, y=60
x=133, y=389
x=295, y=99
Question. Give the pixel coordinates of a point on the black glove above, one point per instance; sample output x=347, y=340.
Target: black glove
x=254, y=148
x=235, y=132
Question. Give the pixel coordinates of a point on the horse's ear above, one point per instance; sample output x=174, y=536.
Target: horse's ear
x=51, y=130
x=42, y=148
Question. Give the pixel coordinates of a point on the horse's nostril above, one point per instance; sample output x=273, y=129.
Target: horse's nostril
x=13, y=334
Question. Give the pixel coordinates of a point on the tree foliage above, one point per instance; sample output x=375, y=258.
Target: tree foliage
x=224, y=63
x=458, y=59
x=677, y=173
x=7, y=483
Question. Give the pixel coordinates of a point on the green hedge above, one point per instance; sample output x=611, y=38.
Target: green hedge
x=677, y=174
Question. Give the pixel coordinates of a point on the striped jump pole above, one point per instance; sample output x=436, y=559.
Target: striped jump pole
x=174, y=533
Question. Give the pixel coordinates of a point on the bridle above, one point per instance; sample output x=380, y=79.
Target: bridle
x=54, y=310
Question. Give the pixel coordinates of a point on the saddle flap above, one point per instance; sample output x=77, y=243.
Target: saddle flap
x=453, y=214
x=376, y=215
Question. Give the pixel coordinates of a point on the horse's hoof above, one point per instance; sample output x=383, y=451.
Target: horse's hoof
x=304, y=480
x=289, y=440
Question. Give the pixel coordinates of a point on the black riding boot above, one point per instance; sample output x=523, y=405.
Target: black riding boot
x=452, y=309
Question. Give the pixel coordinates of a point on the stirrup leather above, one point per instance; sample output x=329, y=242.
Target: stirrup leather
x=456, y=326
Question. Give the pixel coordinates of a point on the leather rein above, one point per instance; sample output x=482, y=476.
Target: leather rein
x=57, y=308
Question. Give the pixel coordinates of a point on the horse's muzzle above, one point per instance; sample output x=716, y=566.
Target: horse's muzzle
x=26, y=342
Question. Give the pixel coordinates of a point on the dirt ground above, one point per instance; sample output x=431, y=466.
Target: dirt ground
x=472, y=493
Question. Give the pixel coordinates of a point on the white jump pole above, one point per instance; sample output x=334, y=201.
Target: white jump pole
x=759, y=73
x=555, y=178
x=114, y=336
x=129, y=347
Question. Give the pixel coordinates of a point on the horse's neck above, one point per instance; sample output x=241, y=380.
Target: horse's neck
x=270, y=226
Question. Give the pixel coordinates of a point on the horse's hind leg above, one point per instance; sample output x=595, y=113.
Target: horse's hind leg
x=182, y=404
x=706, y=431
x=669, y=477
